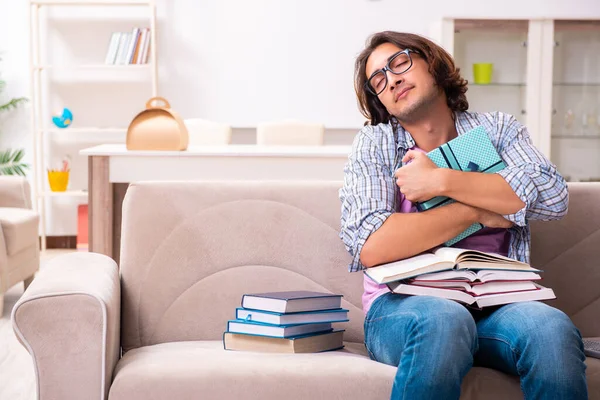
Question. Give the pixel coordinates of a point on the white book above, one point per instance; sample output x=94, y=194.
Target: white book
x=540, y=293
x=146, y=49
x=113, y=46
x=135, y=34
x=144, y=35
x=123, y=47
x=444, y=259
x=254, y=328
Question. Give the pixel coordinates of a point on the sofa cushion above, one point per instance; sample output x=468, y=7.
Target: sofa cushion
x=19, y=227
x=202, y=369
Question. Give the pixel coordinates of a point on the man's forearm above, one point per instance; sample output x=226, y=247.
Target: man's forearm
x=404, y=235
x=488, y=191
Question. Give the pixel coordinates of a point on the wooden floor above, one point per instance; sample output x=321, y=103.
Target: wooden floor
x=17, y=379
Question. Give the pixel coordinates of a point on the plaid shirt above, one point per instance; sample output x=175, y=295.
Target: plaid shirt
x=370, y=195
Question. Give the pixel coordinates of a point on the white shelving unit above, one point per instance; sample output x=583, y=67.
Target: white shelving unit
x=546, y=73
x=41, y=121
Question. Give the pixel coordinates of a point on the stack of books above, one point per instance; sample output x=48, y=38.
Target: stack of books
x=287, y=322
x=126, y=48
x=475, y=278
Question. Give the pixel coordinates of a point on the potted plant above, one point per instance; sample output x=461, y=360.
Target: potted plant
x=11, y=159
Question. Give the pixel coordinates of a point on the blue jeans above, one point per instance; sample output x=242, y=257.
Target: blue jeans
x=434, y=342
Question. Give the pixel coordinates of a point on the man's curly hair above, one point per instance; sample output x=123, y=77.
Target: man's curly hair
x=441, y=66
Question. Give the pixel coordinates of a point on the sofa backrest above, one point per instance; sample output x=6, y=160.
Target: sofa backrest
x=191, y=250
x=569, y=253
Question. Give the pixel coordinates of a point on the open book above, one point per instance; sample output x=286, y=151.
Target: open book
x=443, y=259
x=484, y=300
x=477, y=277
x=478, y=289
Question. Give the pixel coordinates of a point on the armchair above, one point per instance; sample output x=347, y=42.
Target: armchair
x=19, y=235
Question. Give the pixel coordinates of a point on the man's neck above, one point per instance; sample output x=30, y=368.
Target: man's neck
x=432, y=130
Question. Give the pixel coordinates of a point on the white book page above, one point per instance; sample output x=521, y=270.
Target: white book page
x=449, y=254
x=448, y=275
x=401, y=269
x=444, y=285
x=457, y=295
x=541, y=293
x=502, y=287
x=490, y=275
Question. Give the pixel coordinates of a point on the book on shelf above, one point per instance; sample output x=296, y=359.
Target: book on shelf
x=314, y=343
x=479, y=301
x=127, y=48
x=444, y=259
x=258, y=328
x=306, y=317
x=292, y=301
x=472, y=151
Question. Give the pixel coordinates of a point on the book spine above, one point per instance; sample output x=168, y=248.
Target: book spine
x=146, y=54
x=140, y=48
x=113, y=46
x=135, y=34
x=121, y=53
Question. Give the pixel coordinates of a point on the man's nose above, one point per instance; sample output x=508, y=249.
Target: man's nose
x=394, y=79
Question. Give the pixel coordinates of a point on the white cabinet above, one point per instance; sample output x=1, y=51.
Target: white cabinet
x=68, y=45
x=546, y=73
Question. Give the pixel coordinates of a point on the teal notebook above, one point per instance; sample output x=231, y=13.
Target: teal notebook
x=472, y=151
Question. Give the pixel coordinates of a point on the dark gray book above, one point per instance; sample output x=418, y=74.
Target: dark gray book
x=292, y=301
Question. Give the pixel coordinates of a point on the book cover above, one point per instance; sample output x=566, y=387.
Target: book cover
x=292, y=301
x=308, y=317
x=313, y=343
x=472, y=151
x=258, y=328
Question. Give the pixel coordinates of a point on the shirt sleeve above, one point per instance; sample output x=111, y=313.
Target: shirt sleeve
x=368, y=196
x=531, y=175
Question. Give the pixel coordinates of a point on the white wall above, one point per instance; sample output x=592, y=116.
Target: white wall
x=215, y=57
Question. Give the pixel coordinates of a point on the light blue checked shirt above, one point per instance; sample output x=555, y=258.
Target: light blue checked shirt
x=370, y=195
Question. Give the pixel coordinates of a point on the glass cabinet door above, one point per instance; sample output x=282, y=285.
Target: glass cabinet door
x=575, y=123
x=492, y=57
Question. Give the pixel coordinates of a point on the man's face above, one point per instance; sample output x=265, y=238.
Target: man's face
x=406, y=96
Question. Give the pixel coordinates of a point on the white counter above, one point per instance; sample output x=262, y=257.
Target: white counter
x=112, y=167
x=231, y=162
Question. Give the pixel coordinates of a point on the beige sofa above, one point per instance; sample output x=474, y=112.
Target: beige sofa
x=19, y=235
x=189, y=253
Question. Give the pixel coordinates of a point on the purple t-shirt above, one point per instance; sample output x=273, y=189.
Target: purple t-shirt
x=492, y=240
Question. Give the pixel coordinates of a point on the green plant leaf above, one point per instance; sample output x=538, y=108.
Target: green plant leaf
x=11, y=164
x=12, y=104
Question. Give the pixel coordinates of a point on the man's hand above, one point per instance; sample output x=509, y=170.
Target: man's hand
x=490, y=219
x=420, y=180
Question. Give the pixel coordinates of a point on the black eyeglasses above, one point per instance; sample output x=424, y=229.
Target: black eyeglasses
x=398, y=64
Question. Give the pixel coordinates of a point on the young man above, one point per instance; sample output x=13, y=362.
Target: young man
x=414, y=97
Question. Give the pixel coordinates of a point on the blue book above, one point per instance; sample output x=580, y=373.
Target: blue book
x=292, y=301
x=257, y=328
x=308, y=317
x=473, y=152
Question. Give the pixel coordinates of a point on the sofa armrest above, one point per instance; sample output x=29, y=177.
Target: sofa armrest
x=15, y=192
x=69, y=321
